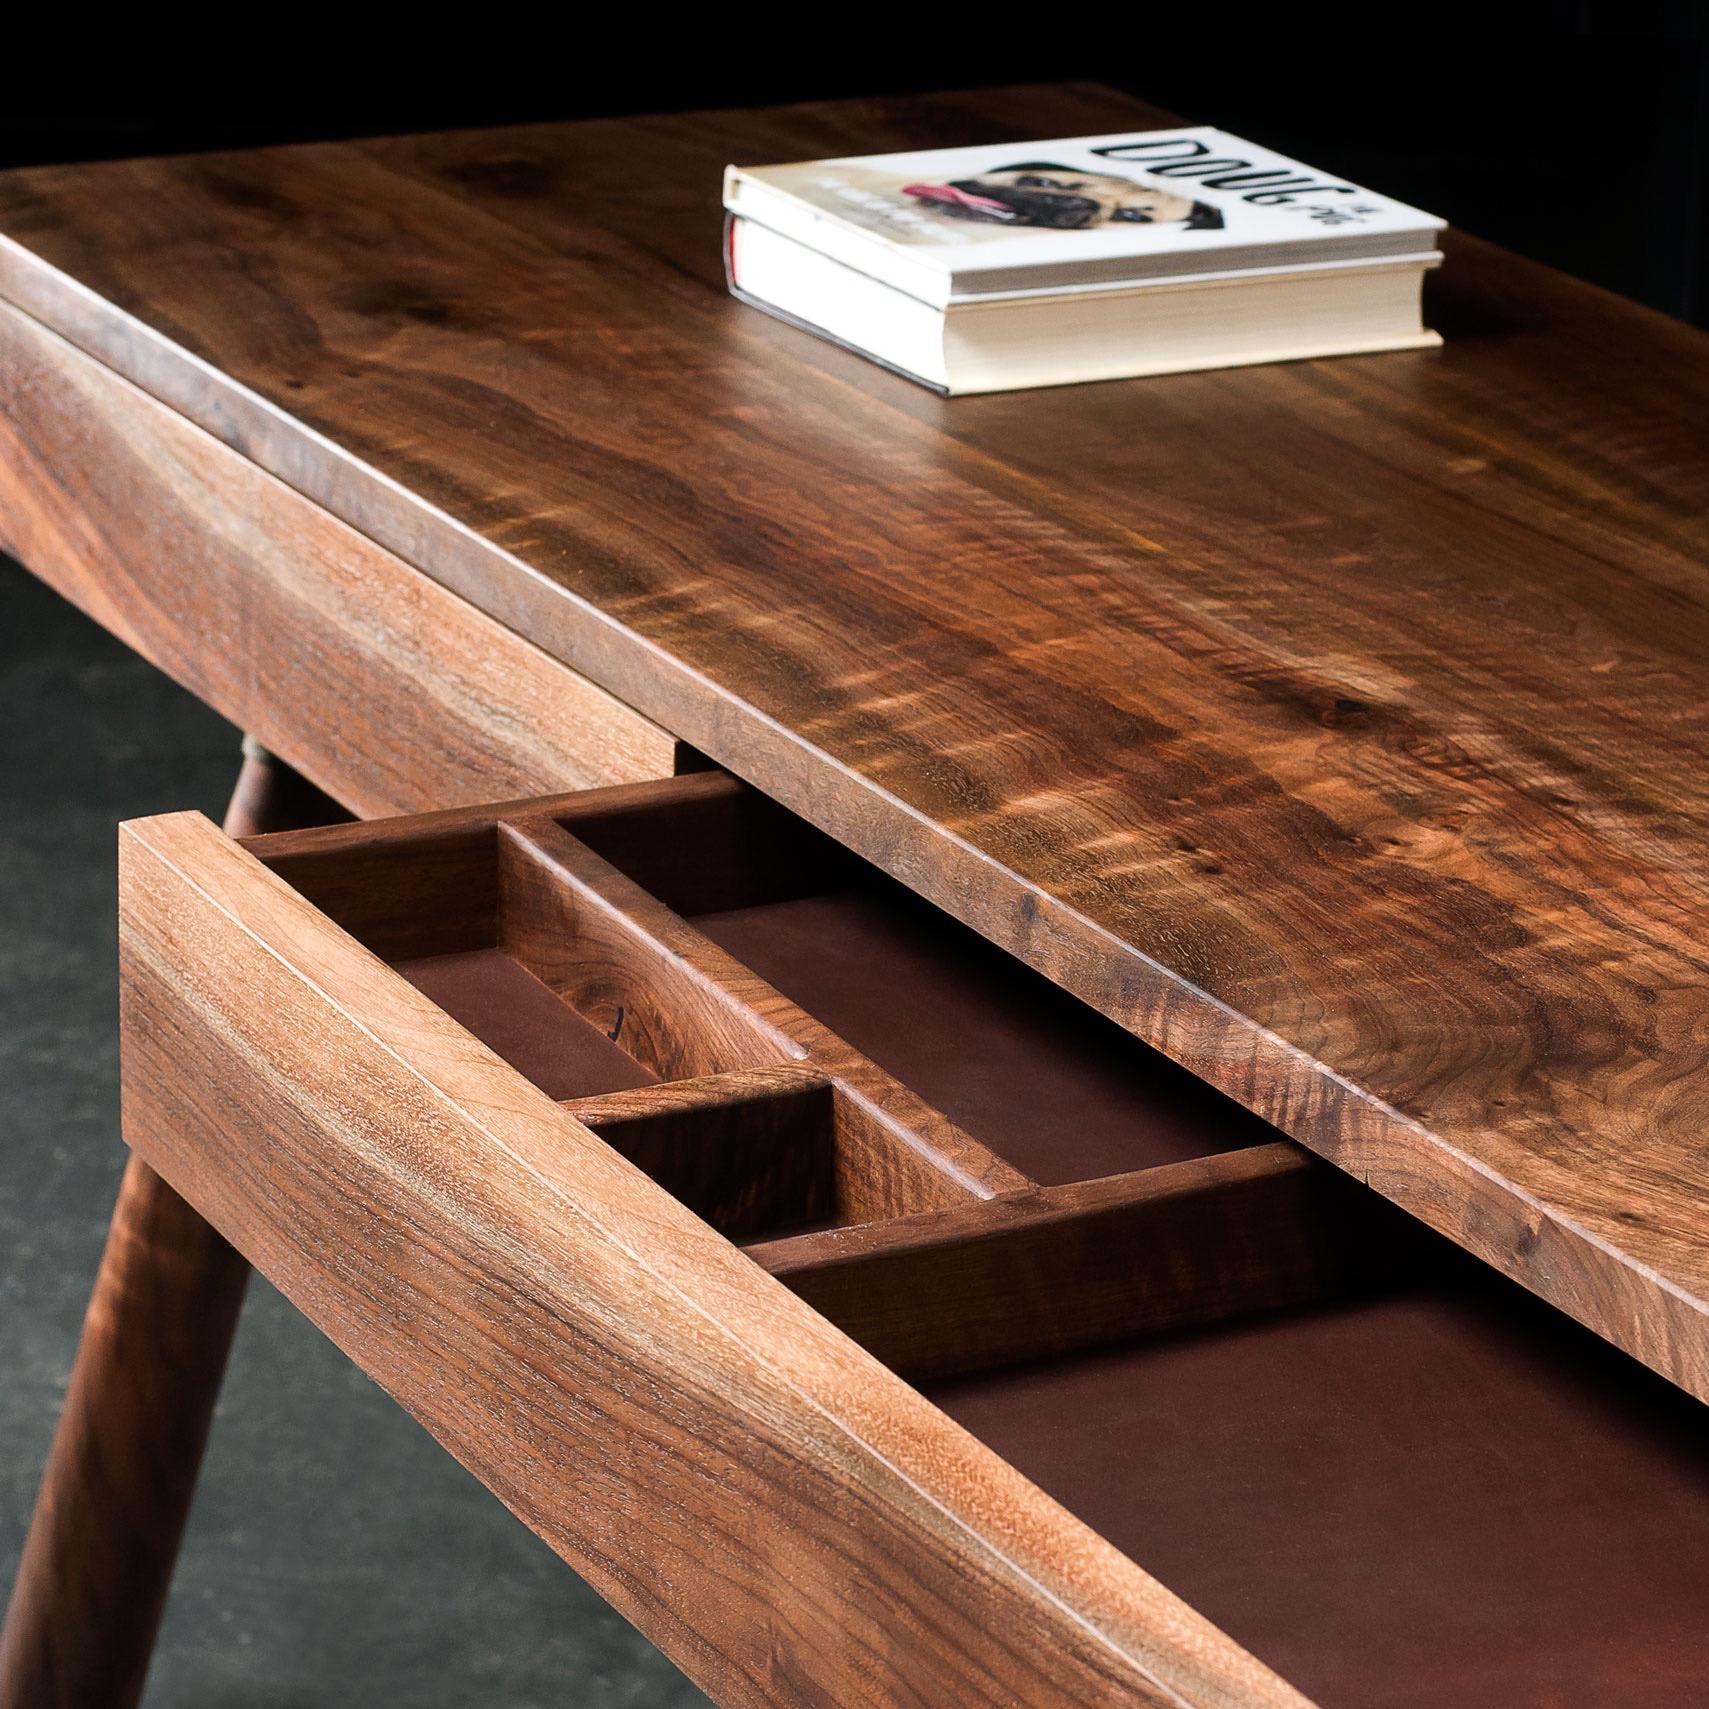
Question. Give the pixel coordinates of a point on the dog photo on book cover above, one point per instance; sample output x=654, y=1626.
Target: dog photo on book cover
x=1062, y=198
x=1008, y=197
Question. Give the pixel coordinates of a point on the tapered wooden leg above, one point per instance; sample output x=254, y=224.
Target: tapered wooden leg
x=95, y=1568
x=96, y=1564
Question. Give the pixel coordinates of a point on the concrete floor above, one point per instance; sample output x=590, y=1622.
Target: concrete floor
x=335, y=1554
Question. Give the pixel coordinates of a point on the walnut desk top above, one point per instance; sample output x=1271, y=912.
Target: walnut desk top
x=1339, y=728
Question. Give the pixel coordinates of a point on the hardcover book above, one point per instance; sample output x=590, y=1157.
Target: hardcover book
x=978, y=269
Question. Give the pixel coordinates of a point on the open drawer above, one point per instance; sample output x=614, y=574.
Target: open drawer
x=867, y=1320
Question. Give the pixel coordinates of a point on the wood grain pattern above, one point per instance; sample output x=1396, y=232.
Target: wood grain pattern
x=945, y=1293
x=1339, y=728
x=373, y=681
x=721, y=1463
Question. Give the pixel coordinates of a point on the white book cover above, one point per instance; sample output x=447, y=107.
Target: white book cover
x=1075, y=212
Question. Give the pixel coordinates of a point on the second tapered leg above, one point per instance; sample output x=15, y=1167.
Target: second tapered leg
x=98, y=1559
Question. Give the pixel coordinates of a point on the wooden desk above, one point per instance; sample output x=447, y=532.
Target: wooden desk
x=1337, y=729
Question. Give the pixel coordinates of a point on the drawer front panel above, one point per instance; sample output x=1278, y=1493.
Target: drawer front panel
x=790, y=1521
x=391, y=693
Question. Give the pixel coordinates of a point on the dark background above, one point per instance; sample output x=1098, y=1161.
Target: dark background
x=1576, y=133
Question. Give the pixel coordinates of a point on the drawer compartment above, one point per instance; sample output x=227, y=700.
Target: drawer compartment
x=1048, y=1084
x=731, y=1096
x=864, y=1318
x=640, y=941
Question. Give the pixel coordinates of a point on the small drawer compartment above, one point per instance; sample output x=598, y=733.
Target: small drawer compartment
x=1048, y=1084
x=526, y=1022
x=731, y=1096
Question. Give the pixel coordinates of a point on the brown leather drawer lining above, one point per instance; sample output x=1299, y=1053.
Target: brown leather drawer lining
x=1050, y=1085
x=526, y=1022
x=1448, y=1496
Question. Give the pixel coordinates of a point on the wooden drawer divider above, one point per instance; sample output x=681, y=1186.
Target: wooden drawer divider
x=872, y=1205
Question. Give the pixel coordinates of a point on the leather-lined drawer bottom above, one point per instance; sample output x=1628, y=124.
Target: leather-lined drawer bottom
x=533, y=1107
x=1442, y=1495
